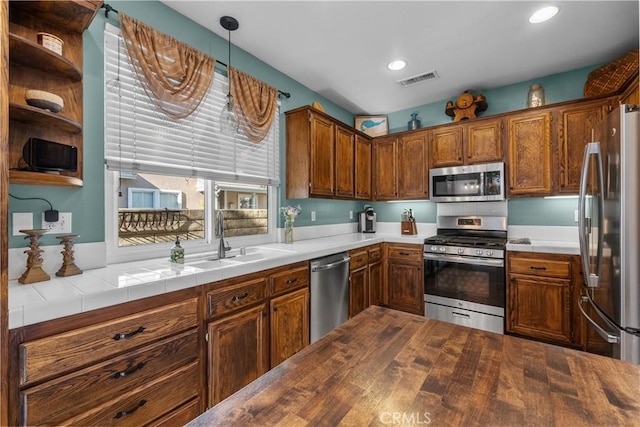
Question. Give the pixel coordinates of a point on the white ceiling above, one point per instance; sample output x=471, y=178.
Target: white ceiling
x=340, y=49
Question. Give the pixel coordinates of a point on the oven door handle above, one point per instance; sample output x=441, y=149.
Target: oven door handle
x=490, y=262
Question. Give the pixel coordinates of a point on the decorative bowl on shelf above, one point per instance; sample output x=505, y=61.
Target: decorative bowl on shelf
x=44, y=100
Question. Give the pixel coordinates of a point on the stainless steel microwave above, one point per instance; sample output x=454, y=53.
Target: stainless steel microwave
x=473, y=183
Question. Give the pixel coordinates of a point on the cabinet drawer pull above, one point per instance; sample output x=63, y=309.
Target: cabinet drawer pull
x=290, y=281
x=118, y=337
x=130, y=371
x=538, y=268
x=130, y=411
x=239, y=298
x=404, y=253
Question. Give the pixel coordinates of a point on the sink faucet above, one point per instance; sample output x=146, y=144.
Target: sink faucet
x=222, y=247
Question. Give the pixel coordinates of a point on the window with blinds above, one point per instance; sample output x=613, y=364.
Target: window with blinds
x=168, y=178
x=140, y=138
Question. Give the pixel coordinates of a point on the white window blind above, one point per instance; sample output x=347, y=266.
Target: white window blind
x=138, y=137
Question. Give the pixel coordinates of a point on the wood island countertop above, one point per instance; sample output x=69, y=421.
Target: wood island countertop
x=386, y=367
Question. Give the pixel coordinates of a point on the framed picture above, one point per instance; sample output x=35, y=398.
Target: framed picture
x=244, y=201
x=372, y=125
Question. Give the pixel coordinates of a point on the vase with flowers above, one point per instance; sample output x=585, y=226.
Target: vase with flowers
x=289, y=213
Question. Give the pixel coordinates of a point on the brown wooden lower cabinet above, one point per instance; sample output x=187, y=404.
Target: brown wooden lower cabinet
x=289, y=325
x=365, y=278
x=405, y=277
x=256, y=322
x=542, y=297
x=110, y=366
x=238, y=351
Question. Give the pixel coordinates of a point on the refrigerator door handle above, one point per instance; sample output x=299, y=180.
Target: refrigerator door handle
x=609, y=337
x=584, y=223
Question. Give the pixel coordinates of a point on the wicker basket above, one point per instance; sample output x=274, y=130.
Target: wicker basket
x=610, y=78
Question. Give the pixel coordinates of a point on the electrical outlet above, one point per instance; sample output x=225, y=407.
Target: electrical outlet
x=575, y=216
x=350, y=214
x=62, y=226
x=313, y=215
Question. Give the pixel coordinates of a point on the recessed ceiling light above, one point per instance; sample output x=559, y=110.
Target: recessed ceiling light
x=543, y=14
x=396, y=65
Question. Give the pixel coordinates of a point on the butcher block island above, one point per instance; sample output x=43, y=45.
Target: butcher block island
x=386, y=367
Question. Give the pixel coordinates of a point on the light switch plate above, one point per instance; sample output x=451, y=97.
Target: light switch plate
x=22, y=221
x=313, y=215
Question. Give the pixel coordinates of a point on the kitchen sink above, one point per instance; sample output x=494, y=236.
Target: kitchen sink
x=236, y=257
x=212, y=264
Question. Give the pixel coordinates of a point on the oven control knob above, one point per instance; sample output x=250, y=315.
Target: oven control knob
x=490, y=252
x=434, y=249
x=460, y=251
x=442, y=249
x=478, y=251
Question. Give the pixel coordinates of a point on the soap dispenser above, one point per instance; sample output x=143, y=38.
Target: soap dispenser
x=177, y=252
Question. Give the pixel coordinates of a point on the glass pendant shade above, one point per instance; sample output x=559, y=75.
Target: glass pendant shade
x=228, y=119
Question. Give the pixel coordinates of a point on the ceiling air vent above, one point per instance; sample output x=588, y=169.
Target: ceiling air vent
x=410, y=81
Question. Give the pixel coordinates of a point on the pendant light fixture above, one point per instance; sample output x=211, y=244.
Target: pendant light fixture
x=228, y=117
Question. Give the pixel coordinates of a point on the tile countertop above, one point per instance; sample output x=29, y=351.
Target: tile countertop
x=546, y=246
x=120, y=283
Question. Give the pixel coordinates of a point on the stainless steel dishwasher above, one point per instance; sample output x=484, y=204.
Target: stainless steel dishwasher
x=329, y=294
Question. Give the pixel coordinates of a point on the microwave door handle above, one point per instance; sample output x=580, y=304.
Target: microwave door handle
x=592, y=148
x=609, y=337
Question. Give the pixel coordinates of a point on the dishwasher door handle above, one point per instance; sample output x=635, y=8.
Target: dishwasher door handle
x=330, y=265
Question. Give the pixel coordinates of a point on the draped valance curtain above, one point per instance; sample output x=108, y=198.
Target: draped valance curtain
x=141, y=138
x=256, y=103
x=176, y=77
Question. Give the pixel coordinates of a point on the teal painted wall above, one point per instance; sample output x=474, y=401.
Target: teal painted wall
x=87, y=203
x=541, y=211
x=558, y=88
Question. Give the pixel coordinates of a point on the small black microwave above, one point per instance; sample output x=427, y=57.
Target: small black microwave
x=42, y=156
x=473, y=183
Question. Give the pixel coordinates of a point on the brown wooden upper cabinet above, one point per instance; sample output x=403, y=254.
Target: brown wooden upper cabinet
x=401, y=167
x=321, y=158
x=385, y=169
x=574, y=126
x=362, y=168
x=413, y=162
x=345, y=166
x=530, y=161
x=478, y=141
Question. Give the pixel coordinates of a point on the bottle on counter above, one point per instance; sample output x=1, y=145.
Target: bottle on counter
x=177, y=252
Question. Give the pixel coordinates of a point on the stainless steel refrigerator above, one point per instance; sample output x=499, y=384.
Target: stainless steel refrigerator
x=609, y=232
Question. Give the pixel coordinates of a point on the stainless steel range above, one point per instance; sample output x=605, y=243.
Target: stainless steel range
x=464, y=277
